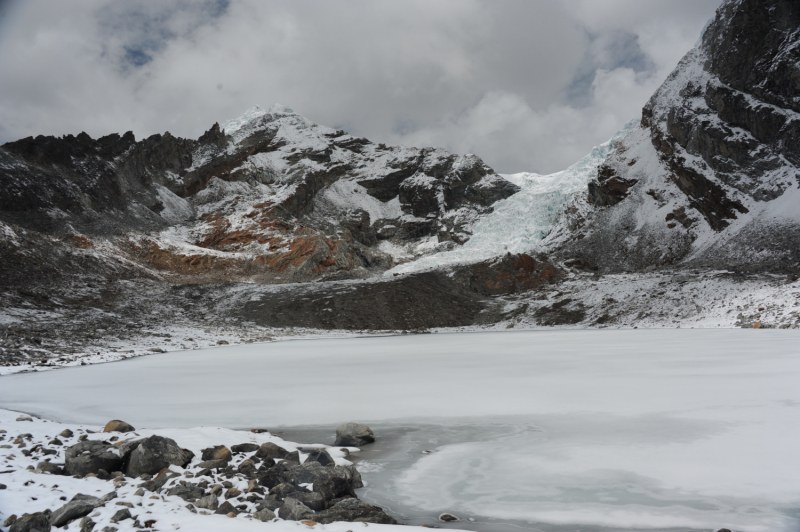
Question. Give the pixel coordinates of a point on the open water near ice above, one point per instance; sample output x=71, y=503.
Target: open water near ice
x=545, y=430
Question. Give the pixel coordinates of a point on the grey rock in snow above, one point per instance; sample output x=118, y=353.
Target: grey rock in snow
x=154, y=454
x=294, y=510
x=245, y=448
x=90, y=457
x=121, y=515
x=209, y=502
x=31, y=523
x=79, y=506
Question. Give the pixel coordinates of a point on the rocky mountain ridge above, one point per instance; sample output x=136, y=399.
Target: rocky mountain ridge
x=268, y=197
x=710, y=176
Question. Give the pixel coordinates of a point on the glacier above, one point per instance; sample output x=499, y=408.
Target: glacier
x=520, y=223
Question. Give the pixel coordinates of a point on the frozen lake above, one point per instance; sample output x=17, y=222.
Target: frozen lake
x=665, y=429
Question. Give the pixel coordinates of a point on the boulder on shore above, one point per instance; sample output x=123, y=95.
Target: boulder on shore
x=353, y=510
x=331, y=482
x=91, y=456
x=270, y=450
x=320, y=455
x=353, y=435
x=154, y=454
x=218, y=452
x=245, y=448
x=115, y=425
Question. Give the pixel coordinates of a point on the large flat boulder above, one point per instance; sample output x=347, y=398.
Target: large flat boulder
x=154, y=454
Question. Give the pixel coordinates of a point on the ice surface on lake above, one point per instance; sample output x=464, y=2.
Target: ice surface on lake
x=639, y=429
x=521, y=221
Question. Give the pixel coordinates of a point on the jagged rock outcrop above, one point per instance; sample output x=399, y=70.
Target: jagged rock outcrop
x=710, y=175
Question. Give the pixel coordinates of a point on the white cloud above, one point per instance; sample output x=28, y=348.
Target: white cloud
x=525, y=85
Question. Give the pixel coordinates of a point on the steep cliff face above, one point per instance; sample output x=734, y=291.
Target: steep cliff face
x=710, y=176
x=268, y=197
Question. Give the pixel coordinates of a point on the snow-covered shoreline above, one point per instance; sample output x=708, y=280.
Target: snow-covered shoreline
x=26, y=442
x=683, y=299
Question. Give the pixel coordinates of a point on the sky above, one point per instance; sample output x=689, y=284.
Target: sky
x=527, y=85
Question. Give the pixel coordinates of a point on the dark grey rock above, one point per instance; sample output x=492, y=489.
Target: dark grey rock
x=270, y=450
x=39, y=521
x=294, y=510
x=284, y=489
x=270, y=504
x=187, y=491
x=121, y=515
x=273, y=475
x=154, y=454
x=79, y=506
x=448, y=517
x=353, y=510
x=293, y=456
x=313, y=500
x=66, y=433
x=90, y=457
x=353, y=435
x=330, y=482
x=158, y=482
x=245, y=448
x=320, y=455
x=225, y=508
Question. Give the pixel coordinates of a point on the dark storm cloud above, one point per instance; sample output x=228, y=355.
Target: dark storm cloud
x=527, y=85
